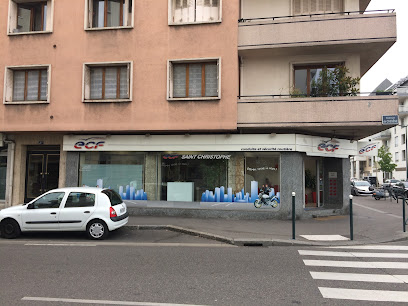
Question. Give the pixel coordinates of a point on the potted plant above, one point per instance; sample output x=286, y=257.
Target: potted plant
x=310, y=183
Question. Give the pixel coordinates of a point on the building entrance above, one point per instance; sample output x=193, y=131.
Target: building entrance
x=42, y=171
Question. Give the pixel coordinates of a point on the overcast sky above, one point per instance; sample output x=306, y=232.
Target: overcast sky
x=394, y=64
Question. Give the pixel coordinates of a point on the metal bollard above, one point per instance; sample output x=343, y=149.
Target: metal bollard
x=293, y=214
x=403, y=214
x=351, y=217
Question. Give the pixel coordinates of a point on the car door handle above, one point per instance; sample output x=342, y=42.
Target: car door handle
x=53, y=213
x=87, y=212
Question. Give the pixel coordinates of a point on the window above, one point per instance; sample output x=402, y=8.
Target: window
x=194, y=79
x=396, y=141
x=403, y=155
x=195, y=11
x=300, y=7
x=107, y=82
x=80, y=199
x=305, y=75
x=396, y=156
x=50, y=200
x=27, y=84
x=403, y=139
x=109, y=14
x=30, y=16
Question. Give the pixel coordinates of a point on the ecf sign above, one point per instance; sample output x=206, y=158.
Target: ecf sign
x=329, y=147
x=89, y=143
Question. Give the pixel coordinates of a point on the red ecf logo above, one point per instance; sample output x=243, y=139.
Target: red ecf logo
x=329, y=147
x=367, y=149
x=87, y=144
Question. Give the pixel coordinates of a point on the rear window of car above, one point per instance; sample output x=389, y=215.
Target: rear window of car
x=113, y=196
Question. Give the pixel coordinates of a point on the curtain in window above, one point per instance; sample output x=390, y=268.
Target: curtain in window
x=44, y=85
x=32, y=85
x=124, y=88
x=179, y=80
x=184, y=11
x=96, y=83
x=194, y=86
x=301, y=7
x=211, y=80
x=207, y=10
x=18, y=85
x=111, y=82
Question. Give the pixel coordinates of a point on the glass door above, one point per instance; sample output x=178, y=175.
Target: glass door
x=42, y=173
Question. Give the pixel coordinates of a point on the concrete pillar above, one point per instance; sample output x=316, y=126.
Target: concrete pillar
x=72, y=169
x=236, y=173
x=151, y=176
x=292, y=180
x=358, y=169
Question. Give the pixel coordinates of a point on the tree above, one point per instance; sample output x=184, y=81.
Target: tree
x=385, y=162
x=334, y=83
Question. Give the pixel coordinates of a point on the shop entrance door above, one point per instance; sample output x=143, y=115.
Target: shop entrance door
x=42, y=171
x=314, y=184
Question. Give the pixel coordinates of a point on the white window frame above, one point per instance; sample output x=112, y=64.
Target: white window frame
x=396, y=144
x=12, y=17
x=86, y=89
x=170, y=15
x=396, y=156
x=8, y=84
x=191, y=61
x=88, y=17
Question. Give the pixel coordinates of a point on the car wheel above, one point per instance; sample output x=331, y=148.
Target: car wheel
x=97, y=230
x=9, y=229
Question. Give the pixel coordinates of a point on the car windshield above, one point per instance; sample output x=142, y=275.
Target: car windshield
x=362, y=183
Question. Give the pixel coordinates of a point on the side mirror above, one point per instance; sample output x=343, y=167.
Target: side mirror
x=30, y=206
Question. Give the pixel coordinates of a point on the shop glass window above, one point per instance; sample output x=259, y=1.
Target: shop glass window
x=264, y=170
x=109, y=13
x=195, y=80
x=110, y=82
x=301, y=7
x=203, y=173
x=306, y=75
x=195, y=11
x=30, y=85
x=3, y=175
x=120, y=171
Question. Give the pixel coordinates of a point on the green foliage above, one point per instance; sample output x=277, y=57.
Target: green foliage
x=296, y=93
x=310, y=180
x=385, y=162
x=334, y=83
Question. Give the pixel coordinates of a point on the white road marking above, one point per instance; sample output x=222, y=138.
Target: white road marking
x=100, y=302
x=364, y=295
x=324, y=237
x=355, y=277
x=377, y=210
x=372, y=247
x=357, y=264
x=352, y=254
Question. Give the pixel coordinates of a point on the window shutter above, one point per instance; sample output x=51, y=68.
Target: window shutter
x=297, y=9
x=313, y=6
x=18, y=85
x=32, y=85
x=337, y=5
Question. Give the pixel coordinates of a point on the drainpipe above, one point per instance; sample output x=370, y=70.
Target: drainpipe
x=10, y=171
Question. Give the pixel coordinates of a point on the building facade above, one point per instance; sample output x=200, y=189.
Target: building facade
x=177, y=100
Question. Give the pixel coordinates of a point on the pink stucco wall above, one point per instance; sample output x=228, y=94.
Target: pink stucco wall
x=149, y=45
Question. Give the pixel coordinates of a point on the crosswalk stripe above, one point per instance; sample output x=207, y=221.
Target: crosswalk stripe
x=357, y=264
x=352, y=254
x=355, y=277
x=364, y=295
x=372, y=247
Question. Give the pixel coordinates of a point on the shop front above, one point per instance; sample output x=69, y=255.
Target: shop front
x=223, y=169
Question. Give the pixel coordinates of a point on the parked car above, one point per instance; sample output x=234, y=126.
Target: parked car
x=361, y=187
x=94, y=210
x=401, y=189
x=391, y=183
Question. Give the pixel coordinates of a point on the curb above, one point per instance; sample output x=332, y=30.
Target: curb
x=258, y=242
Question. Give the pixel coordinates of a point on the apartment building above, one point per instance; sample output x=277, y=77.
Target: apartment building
x=186, y=100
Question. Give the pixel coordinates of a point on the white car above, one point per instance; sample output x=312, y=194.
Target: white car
x=361, y=187
x=94, y=210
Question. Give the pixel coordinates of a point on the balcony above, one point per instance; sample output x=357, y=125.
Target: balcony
x=384, y=135
x=352, y=117
x=403, y=110
x=370, y=35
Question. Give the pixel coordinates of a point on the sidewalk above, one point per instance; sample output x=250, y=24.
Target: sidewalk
x=367, y=229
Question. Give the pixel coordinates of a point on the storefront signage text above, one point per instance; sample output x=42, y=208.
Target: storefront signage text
x=329, y=147
x=266, y=149
x=89, y=143
x=206, y=156
x=262, y=168
x=367, y=148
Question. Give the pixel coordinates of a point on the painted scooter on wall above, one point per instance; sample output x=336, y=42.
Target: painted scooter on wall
x=266, y=199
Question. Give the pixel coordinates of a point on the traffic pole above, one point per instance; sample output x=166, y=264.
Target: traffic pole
x=403, y=214
x=351, y=217
x=293, y=214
